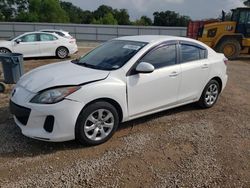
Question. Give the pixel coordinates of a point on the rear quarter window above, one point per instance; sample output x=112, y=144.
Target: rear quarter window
x=47, y=37
x=60, y=34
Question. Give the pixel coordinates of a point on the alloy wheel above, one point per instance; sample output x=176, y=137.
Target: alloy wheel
x=62, y=53
x=211, y=94
x=99, y=124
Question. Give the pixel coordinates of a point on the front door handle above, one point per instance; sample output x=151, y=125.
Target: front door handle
x=174, y=74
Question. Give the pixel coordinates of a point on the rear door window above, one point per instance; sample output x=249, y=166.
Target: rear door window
x=191, y=53
x=47, y=37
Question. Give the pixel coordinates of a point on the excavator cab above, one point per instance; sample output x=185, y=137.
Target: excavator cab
x=242, y=18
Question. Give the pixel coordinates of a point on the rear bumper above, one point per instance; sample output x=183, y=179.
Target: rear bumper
x=73, y=49
x=224, y=82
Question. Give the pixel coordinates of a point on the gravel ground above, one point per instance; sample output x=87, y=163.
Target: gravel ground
x=182, y=147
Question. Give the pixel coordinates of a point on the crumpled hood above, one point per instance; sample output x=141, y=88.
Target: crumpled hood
x=59, y=74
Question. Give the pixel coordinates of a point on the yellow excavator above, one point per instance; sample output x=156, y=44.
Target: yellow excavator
x=229, y=37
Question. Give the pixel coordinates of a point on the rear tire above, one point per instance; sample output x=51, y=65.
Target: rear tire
x=210, y=94
x=62, y=52
x=230, y=47
x=4, y=51
x=96, y=123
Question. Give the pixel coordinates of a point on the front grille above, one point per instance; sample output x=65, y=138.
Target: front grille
x=21, y=113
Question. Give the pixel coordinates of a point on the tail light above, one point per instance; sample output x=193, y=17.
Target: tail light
x=225, y=61
x=72, y=40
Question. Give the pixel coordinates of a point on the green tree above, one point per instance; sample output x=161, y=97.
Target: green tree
x=74, y=13
x=60, y=11
x=51, y=11
x=7, y=10
x=43, y=11
x=102, y=11
x=104, y=15
x=144, y=20
x=95, y=21
x=108, y=19
x=170, y=18
x=22, y=5
x=86, y=17
x=122, y=16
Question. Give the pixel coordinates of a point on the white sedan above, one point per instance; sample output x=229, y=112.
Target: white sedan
x=39, y=44
x=123, y=79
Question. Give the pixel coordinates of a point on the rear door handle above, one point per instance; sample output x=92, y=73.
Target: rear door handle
x=204, y=66
x=174, y=74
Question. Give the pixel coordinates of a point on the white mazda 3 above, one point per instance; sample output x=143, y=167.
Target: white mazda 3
x=123, y=79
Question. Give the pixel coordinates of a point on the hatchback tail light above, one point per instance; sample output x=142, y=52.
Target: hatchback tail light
x=72, y=40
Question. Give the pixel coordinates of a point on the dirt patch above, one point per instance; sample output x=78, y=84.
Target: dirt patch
x=182, y=147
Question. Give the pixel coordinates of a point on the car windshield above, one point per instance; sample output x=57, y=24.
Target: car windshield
x=111, y=55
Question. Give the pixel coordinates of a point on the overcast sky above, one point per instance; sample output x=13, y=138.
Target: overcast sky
x=196, y=9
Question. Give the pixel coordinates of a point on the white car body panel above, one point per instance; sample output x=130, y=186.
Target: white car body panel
x=28, y=49
x=34, y=127
x=193, y=76
x=39, y=48
x=160, y=87
x=137, y=95
x=58, y=74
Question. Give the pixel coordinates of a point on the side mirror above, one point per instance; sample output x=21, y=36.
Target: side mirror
x=18, y=41
x=144, y=67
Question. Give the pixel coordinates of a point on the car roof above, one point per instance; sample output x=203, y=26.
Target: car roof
x=158, y=39
x=151, y=38
x=56, y=30
x=34, y=32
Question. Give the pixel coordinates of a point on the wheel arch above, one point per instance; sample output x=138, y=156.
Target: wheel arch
x=108, y=100
x=218, y=79
x=6, y=49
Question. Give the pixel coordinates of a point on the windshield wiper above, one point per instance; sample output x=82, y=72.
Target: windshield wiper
x=84, y=64
x=87, y=65
x=76, y=61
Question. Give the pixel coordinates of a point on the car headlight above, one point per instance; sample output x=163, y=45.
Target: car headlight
x=55, y=95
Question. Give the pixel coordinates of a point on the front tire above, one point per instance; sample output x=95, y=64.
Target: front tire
x=96, y=123
x=210, y=94
x=62, y=52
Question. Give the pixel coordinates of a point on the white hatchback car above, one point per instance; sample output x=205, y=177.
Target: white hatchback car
x=121, y=80
x=40, y=44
